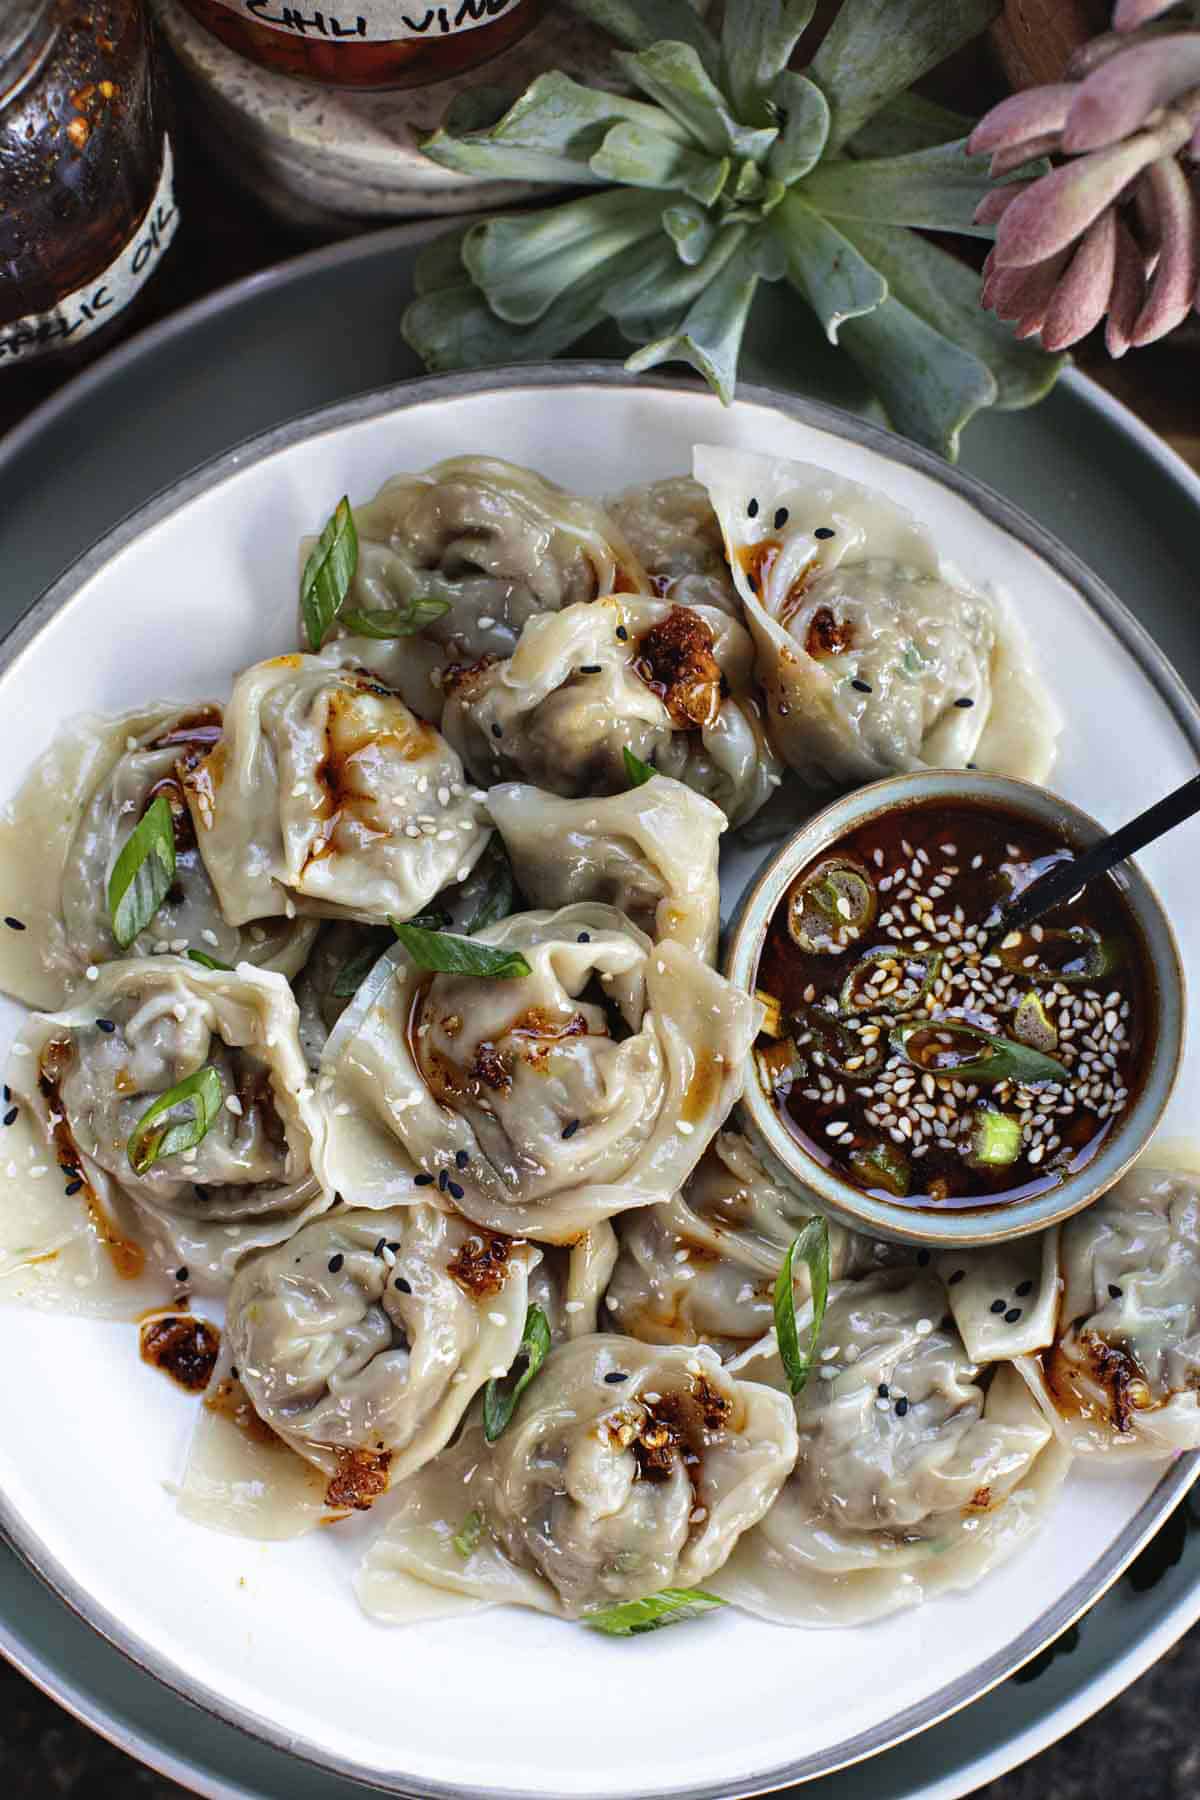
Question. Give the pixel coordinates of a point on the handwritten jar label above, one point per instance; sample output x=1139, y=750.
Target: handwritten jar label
x=372, y=21
x=79, y=314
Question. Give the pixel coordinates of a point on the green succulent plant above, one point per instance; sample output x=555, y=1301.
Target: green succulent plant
x=725, y=169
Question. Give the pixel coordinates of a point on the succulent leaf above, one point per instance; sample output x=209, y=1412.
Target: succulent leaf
x=876, y=49
x=939, y=189
x=674, y=76
x=710, y=335
x=525, y=261
x=756, y=46
x=805, y=127
x=663, y=288
x=1129, y=14
x=1175, y=283
x=1128, y=292
x=838, y=282
x=1081, y=295
x=640, y=158
x=944, y=292
x=439, y=264
x=691, y=230
x=455, y=328
x=1029, y=114
x=1121, y=94
x=908, y=122
x=640, y=23
x=1052, y=213
x=929, y=387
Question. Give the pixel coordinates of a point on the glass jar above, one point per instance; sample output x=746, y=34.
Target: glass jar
x=86, y=200
x=367, y=43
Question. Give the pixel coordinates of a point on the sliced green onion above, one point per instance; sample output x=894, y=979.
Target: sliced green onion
x=147, y=1146
x=637, y=772
x=354, y=972
x=328, y=572
x=501, y=1394
x=396, y=621
x=1033, y=1025
x=466, y=1538
x=209, y=962
x=831, y=906
x=1074, y=954
x=669, y=1607
x=883, y=1166
x=995, y=1139
x=931, y=1046
x=143, y=872
x=839, y=1045
x=450, y=954
x=856, y=997
x=812, y=1247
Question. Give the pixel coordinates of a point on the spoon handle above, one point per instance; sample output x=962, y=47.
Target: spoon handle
x=1067, y=878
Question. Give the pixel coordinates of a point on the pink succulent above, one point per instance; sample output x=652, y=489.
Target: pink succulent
x=1114, y=227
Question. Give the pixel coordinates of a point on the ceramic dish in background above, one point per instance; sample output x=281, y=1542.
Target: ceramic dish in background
x=232, y=1625
x=782, y=1151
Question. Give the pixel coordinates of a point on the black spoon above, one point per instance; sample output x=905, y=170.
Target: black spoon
x=1067, y=879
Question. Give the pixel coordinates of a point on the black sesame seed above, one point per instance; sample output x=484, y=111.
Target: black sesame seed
x=1115, y=1291
x=998, y=1306
x=105, y=1025
x=901, y=1407
x=335, y=1262
x=181, y=1274
x=11, y=1114
x=964, y=700
x=379, y=1248
x=7, y=1092
x=1024, y=1288
x=622, y=633
x=422, y=1180
x=972, y=765
x=923, y=1259
x=824, y=531
x=863, y=687
x=14, y=924
x=956, y=1277
x=405, y=1287
x=884, y=1390
x=72, y=1187
x=781, y=518
x=394, y=1245
x=497, y=731
x=455, y=1190
x=200, y=1191
x=752, y=509
x=443, y=1178
x=233, y=1374
x=752, y=581
x=570, y=1128
x=1012, y=1315
x=585, y=937
x=614, y=1376
x=589, y=668
x=461, y=1158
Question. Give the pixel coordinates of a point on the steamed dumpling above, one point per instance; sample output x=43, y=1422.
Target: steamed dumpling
x=677, y=538
x=326, y=795
x=568, y=1283
x=913, y=1475
x=62, y=834
x=1122, y=1375
x=498, y=542
x=702, y=1268
x=90, y=1073
x=362, y=1340
x=872, y=658
x=673, y=684
x=543, y=1103
x=626, y=1469
x=650, y=852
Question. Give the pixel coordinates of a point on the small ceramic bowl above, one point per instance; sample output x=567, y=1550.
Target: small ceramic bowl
x=786, y=1158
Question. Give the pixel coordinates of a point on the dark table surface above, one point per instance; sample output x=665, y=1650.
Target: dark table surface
x=1144, y=1745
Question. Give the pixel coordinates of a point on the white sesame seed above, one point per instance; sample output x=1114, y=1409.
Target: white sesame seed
x=92, y=972
x=573, y=1306
x=685, y=1128
x=883, y=1406
x=498, y=1318
x=234, y=1105
x=923, y=1327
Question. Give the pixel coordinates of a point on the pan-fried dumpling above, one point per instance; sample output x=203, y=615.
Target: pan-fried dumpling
x=543, y=1103
x=362, y=1339
x=650, y=852
x=625, y=1469
x=673, y=684
x=61, y=835
x=1122, y=1376
x=326, y=795
x=496, y=541
x=677, y=537
x=91, y=1072
x=872, y=657
x=914, y=1475
x=702, y=1268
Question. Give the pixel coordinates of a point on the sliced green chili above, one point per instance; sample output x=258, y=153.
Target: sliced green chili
x=955, y=1051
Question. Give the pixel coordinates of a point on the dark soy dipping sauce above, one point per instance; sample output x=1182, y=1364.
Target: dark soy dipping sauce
x=937, y=873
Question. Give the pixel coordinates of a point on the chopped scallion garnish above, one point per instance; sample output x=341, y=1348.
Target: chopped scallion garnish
x=450, y=954
x=147, y=1145
x=501, y=1394
x=669, y=1607
x=328, y=572
x=143, y=872
x=812, y=1247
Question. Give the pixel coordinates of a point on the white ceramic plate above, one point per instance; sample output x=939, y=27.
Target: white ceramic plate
x=201, y=583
